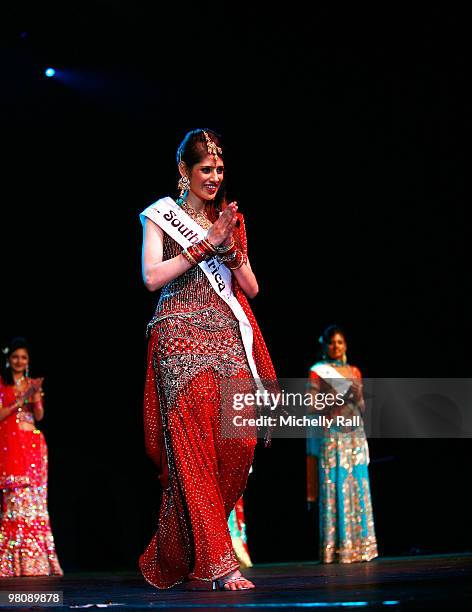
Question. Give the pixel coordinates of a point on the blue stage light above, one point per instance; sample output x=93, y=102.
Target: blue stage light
x=49, y=72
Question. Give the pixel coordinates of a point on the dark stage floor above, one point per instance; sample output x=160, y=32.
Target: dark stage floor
x=427, y=582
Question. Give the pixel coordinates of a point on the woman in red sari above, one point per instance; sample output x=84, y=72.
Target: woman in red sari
x=197, y=343
x=26, y=541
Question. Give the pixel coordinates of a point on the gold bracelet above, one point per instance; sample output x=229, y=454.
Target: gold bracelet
x=209, y=246
x=239, y=260
x=221, y=250
x=189, y=258
x=239, y=266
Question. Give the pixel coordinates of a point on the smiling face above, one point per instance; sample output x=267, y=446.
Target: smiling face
x=336, y=347
x=206, y=177
x=19, y=361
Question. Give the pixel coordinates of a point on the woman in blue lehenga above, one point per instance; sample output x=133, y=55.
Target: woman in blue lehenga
x=347, y=533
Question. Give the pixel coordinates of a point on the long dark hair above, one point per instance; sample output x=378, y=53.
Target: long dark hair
x=191, y=151
x=15, y=344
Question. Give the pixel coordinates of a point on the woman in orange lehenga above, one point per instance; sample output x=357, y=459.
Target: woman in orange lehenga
x=202, y=335
x=26, y=541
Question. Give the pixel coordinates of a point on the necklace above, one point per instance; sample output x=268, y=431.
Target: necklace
x=336, y=362
x=199, y=217
x=19, y=381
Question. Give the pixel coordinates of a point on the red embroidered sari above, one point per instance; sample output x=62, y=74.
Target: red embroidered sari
x=194, y=346
x=26, y=541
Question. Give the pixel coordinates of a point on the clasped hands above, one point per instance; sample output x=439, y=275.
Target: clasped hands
x=34, y=386
x=221, y=232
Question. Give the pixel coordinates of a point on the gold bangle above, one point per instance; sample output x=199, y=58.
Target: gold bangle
x=238, y=266
x=230, y=257
x=208, y=244
x=189, y=258
x=221, y=250
x=238, y=261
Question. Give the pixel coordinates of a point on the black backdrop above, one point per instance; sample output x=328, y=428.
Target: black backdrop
x=345, y=135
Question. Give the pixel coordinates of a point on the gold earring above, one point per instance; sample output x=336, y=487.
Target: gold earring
x=183, y=185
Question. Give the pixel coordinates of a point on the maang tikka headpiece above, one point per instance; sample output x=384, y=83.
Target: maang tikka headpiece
x=212, y=148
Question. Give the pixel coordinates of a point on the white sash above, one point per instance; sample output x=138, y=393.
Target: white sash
x=185, y=231
x=336, y=380
x=340, y=384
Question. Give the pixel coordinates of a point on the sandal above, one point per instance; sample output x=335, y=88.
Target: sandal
x=225, y=583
